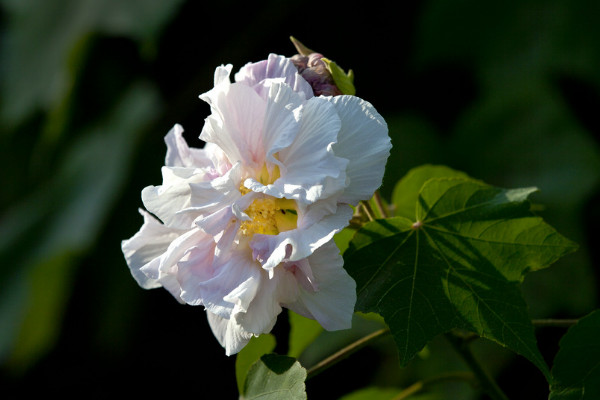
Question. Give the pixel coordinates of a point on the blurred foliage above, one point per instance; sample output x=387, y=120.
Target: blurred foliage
x=506, y=92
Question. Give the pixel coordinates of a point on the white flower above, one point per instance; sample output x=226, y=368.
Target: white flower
x=246, y=223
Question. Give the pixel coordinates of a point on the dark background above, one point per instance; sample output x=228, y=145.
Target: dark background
x=507, y=92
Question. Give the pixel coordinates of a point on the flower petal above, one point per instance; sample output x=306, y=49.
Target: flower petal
x=236, y=124
x=146, y=247
x=167, y=200
x=361, y=124
x=332, y=303
x=230, y=289
x=312, y=171
x=300, y=243
x=229, y=334
x=179, y=154
x=257, y=75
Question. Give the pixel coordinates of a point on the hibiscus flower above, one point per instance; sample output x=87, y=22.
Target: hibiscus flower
x=245, y=225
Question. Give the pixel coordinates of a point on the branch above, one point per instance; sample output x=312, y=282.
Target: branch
x=345, y=352
x=487, y=382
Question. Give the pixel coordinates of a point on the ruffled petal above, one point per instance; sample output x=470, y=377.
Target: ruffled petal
x=174, y=195
x=300, y=243
x=230, y=289
x=146, y=247
x=312, y=170
x=261, y=315
x=260, y=74
x=236, y=124
x=229, y=334
x=179, y=154
x=332, y=298
x=361, y=124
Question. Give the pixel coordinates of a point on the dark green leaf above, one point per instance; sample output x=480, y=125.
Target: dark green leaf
x=275, y=377
x=256, y=348
x=457, y=263
x=576, y=369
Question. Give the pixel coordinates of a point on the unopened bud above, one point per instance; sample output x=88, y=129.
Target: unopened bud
x=317, y=71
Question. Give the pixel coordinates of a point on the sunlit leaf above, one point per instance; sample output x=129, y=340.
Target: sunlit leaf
x=576, y=369
x=275, y=377
x=457, y=263
x=303, y=331
x=342, y=80
x=252, y=352
x=377, y=393
x=406, y=191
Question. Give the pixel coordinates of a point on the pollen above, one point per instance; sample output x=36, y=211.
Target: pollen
x=270, y=216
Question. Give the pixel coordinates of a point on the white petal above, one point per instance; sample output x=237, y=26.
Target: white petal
x=261, y=315
x=282, y=120
x=312, y=171
x=302, y=242
x=174, y=195
x=257, y=75
x=179, y=154
x=231, y=288
x=145, y=248
x=229, y=334
x=236, y=124
x=332, y=304
x=364, y=140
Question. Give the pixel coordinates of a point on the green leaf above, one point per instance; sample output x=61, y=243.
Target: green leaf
x=406, y=191
x=377, y=393
x=303, y=331
x=576, y=369
x=275, y=377
x=342, y=239
x=256, y=348
x=458, y=263
x=342, y=80
x=373, y=393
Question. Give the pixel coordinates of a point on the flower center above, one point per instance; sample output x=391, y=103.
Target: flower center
x=269, y=216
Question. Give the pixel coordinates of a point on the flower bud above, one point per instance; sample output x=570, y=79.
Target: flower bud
x=312, y=67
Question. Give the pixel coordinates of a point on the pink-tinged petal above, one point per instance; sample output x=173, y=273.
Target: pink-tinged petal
x=284, y=108
x=261, y=315
x=221, y=82
x=229, y=334
x=258, y=75
x=179, y=154
x=299, y=243
x=364, y=141
x=167, y=200
x=230, y=289
x=146, y=247
x=236, y=124
x=312, y=171
x=332, y=303
x=210, y=196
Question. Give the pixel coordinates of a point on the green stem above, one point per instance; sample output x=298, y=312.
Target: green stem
x=560, y=323
x=345, y=352
x=380, y=206
x=449, y=376
x=368, y=210
x=486, y=381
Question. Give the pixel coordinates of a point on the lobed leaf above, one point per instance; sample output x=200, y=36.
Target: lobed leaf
x=457, y=263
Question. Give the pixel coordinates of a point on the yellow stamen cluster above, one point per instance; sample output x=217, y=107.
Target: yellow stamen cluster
x=269, y=216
